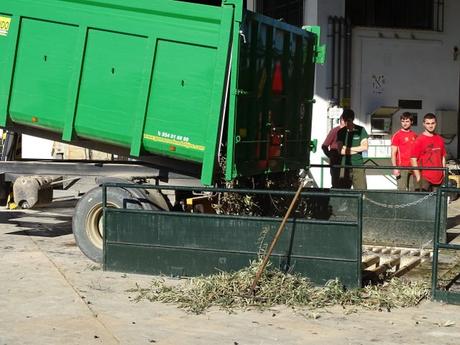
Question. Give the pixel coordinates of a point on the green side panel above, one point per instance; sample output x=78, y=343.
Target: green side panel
x=272, y=122
x=194, y=244
x=109, y=86
x=45, y=59
x=180, y=99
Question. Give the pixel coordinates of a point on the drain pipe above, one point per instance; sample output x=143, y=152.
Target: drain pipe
x=348, y=42
x=331, y=21
x=339, y=59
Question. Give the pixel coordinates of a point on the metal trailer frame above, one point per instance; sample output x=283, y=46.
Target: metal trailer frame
x=33, y=181
x=12, y=169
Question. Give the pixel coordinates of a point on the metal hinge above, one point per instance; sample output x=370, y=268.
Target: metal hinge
x=319, y=50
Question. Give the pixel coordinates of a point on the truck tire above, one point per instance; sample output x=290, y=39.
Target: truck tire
x=87, y=220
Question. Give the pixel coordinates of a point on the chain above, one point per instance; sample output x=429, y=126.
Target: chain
x=413, y=203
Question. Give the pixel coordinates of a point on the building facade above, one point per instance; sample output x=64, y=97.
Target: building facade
x=384, y=57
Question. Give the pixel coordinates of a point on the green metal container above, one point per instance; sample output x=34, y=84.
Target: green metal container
x=169, y=78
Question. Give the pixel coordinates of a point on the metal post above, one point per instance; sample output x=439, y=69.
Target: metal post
x=104, y=215
x=339, y=60
x=359, y=221
x=434, y=271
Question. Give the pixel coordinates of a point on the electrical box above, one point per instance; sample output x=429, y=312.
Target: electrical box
x=381, y=120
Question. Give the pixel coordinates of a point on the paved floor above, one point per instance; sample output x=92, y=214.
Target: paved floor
x=51, y=294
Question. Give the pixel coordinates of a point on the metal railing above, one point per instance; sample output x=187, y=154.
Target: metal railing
x=377, y=167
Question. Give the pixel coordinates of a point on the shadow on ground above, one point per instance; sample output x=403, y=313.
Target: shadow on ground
x=53, y=220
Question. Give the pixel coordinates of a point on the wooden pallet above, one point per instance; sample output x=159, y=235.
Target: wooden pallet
x=392, y=261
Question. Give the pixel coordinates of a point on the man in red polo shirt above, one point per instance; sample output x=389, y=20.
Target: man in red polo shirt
x=401, y=148
x=429, y=152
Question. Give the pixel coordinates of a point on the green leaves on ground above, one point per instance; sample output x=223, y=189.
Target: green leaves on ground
x=230, y=291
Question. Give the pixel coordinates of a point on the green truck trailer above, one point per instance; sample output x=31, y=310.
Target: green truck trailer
x=196, y=90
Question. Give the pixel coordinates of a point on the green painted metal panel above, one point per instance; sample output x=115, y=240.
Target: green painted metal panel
x=320, y=50
x=45, y=58
x=193, y=244
x=109, y=86
x=171, y=122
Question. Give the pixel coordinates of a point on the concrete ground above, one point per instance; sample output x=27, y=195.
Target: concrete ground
x=51, y=294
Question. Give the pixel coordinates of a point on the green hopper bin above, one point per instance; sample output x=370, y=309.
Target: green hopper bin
x=193, y=83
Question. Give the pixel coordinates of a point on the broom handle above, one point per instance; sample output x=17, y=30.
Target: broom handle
x=275, y=239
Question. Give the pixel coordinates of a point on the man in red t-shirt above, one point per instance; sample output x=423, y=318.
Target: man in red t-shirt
x=331, y=151
x=429, y=152
x=401, y=148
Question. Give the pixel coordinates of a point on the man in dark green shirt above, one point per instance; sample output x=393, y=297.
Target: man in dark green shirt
x=352, y=142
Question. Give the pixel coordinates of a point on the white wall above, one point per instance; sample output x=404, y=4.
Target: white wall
x=251, y=5
x=414, y=65
x=36, y=148
x=317, y=12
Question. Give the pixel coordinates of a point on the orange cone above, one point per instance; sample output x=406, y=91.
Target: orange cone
x=277, y=84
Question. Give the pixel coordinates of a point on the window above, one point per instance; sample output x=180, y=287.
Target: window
x=404, y=14
x=289, y=11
